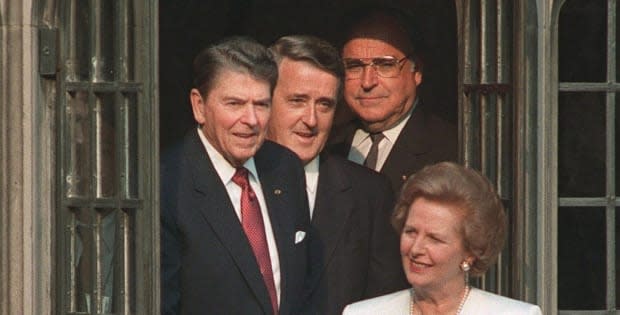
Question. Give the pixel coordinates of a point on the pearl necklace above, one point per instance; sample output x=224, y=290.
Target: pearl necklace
x=458, y=311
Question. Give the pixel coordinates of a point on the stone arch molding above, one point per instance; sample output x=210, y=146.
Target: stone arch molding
x=26, y=160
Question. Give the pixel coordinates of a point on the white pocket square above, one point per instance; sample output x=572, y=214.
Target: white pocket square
x=299, y=236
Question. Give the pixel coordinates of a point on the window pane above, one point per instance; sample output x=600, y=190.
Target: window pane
x=78, y=63
x=117, y=252
x=105, y=37
x=125, y=264
x=82, y=240
x=581, y=258
x=583, y=41
x=617, y=144
x=132, y=46
x=581, y=156
x=109, y=240
x=130, y=112
x=617, y=225
x=78, y=134
x=106, y=145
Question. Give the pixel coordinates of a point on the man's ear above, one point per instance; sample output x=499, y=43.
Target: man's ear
x=417, y=77
x=198, y=106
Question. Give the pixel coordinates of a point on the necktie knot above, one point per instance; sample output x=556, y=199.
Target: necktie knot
x=241, y=177
x=376, y=137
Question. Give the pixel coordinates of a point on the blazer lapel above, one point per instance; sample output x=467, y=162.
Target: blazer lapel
x=333, y=206
x=340, y=140
x=217, y=209
x=409, y=146
x=274, y=184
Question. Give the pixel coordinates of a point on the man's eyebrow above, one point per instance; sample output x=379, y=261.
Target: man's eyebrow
x=330, y=100
x=299, y=95
x=352, y=60
x=263, y=101
x=234, y=98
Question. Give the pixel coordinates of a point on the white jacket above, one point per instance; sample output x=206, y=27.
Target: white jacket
x=478, y=303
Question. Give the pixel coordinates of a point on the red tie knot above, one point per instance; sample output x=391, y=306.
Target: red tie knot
x=241, y=177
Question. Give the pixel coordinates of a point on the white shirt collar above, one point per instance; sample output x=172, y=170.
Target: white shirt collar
x=224, y=169
x=312, y=181
x=390, y=134
x=312, y=174
x=361, y=143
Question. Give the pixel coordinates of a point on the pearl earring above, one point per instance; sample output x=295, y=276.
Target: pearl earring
x=465, y=266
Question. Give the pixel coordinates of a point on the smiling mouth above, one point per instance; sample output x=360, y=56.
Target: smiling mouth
x=420, y=264
x=305, y=134
x=245, y=135
x=416, y=266
x=370, y=100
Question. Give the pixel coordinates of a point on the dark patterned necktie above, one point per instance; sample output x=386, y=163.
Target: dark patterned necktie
x=254, y=227
x=371, y=158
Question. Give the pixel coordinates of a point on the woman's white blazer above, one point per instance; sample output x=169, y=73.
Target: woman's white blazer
x=478, y=303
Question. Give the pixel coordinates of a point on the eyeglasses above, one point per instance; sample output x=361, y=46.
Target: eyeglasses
x=386, y=66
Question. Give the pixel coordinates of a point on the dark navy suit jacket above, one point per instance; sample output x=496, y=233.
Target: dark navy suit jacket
x=208, y=266
x=425, y=139
x=360, y=249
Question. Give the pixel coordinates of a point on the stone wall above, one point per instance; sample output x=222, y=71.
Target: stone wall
x=26, y=165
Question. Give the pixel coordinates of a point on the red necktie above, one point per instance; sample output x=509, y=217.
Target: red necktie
x=252, y=221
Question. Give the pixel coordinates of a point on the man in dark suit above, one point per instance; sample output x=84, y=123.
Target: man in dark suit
x=234, y=210
x=394, y=132
x=350, y=205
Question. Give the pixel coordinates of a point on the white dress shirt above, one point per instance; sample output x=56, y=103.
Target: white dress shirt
x=360, y=146
x=312, y=181
x=226, y=172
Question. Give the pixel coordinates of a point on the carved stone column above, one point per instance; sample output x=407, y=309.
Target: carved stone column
x=26, y=166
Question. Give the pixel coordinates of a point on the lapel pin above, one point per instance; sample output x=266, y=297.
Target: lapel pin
x=277, y=192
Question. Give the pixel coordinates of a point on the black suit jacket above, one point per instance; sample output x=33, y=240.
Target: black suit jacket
x=208, y=266
x=426, y=139
x=361, y=256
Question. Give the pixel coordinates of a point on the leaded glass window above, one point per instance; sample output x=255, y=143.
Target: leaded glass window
x=588, y=179
x=107, y=217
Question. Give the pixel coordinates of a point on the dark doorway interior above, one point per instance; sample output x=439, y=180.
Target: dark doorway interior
x=188, y=26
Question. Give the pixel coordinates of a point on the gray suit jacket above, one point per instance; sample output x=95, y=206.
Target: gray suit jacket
x=478, y=303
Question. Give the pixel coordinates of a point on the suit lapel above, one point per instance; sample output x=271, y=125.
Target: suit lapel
x=407, y=150
x=340, y=140
x=333, y=206
x=274, y=184
x=408, y=147
x=215, y=205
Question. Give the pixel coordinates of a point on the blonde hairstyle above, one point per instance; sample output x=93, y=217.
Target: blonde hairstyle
x=483, y=227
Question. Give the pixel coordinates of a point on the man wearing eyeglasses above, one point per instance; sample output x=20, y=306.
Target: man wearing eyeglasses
x=393, y=133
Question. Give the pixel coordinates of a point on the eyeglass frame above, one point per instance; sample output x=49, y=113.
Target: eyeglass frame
x=373, y=64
